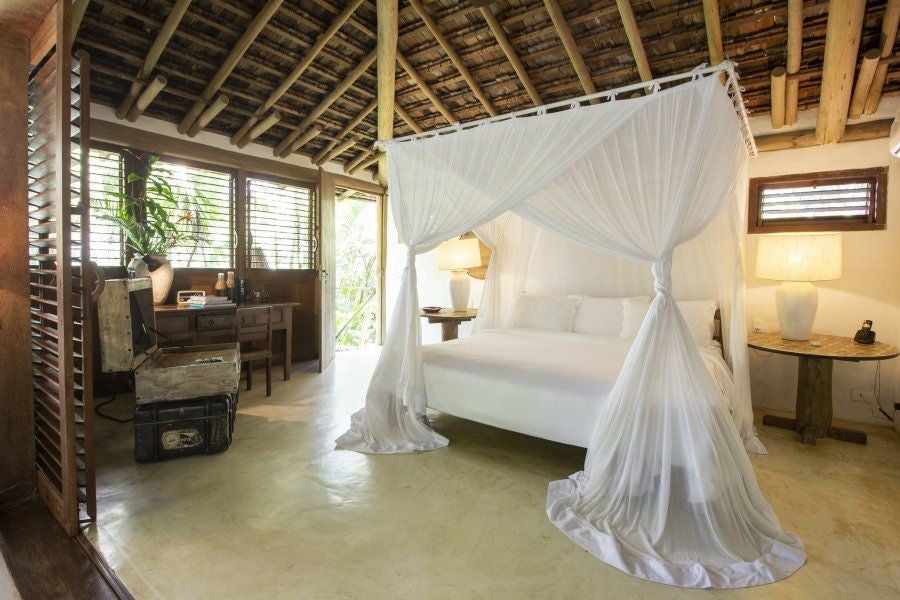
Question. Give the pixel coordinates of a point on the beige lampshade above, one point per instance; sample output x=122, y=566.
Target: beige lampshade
x=799, y=256
x=454, y=255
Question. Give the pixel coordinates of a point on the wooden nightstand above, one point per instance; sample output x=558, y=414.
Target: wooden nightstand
x=814, y=408
x=449, y=321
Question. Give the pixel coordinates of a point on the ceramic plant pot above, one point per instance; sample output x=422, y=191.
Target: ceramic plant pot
x=159, y=270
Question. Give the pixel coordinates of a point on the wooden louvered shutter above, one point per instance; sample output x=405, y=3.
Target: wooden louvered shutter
x=60, y=315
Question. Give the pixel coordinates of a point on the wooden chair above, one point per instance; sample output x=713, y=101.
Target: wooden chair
x=254, y=324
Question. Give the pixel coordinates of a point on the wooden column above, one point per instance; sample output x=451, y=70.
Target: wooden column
x=777, y=79
x=17, y=474
x=794, y=55
x=387, y=72
x=844, y=30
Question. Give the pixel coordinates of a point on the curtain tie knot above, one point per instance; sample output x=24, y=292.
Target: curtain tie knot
x=662, y=275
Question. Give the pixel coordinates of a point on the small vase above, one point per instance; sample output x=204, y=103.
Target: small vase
x=160, y=277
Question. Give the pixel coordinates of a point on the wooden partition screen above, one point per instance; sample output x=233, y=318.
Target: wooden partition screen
x=60, y=316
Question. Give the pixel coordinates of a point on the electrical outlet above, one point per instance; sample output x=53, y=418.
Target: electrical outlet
x=757, y=325
x=864, y=397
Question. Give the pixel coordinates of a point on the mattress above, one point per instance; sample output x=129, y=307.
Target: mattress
x=547, y=384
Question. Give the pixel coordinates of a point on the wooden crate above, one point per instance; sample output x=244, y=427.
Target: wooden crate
x=126, y=323
x=175, y=374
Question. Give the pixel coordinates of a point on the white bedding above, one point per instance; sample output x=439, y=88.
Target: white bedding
x=549, y=384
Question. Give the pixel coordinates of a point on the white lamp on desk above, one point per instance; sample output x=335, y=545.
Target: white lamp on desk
x=456, y=256
x=796, y=259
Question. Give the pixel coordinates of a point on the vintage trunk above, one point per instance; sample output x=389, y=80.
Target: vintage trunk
x=164, y=430
x=188, y=372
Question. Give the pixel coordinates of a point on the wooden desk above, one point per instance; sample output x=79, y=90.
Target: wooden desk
x=814, y=408
x=217, y=324
x=449, y=321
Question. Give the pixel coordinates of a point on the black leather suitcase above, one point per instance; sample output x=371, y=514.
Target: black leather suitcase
x=164, y=430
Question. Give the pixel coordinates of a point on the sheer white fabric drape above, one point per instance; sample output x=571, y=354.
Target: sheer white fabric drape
x=668, y=492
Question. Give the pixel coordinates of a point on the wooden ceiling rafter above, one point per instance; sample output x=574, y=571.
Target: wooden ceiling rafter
x=793, y=59
x=842, y=41
x=634, y=39
x=298, y=70
x=228, y=65
x=511, y=55
x=886, y=43
x=424, y=87
x=454, y=57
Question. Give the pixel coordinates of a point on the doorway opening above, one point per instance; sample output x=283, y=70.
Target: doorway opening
x=357, y=307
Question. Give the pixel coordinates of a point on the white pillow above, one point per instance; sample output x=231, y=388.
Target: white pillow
x=633, y=312
x=699, y=315
x=545, y=311
x=598, y=316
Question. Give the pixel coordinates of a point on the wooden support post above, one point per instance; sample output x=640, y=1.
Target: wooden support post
x=794, y=56
x=260, y=128
x=407, y=118
x=295, y=74
x=452, y=54
x=156, y=49
x=387, y=72
x=228, y=65
x=147, y=96
x=777, y=80
x=511, y=56
x=634, y=39
x=570, y=46
x=864, y=82
x=888, y=37
x=330, y=99
x=210, y=113
x=713, y=31
x=842, y=35
x=426, y=89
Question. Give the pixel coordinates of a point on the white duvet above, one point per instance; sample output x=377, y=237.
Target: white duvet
x=549, y=384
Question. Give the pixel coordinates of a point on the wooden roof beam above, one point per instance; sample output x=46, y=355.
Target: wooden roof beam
x=426, y=89
x=713, y=25
x=511, y=55
x=156, y=49
x=79, y=7
x=888, y=37
x=298, y=70
x=571, y=47
x=842, y=36
x=350, y=166
x=807, y=137
x=407, y=118
x=454, y=57
x=634, y=39
x=228, y=65
x=333, y=150
x=366, y=163
x=295, y=141
x=864, y=79
x=794, y=56
x=284, y=148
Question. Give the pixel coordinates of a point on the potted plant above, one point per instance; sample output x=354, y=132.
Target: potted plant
x=153, y=219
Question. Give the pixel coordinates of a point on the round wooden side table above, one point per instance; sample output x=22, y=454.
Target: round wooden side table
x=449, y=320
x=814, y=408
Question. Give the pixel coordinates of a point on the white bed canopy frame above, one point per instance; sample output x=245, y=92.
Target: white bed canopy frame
x=667, y=492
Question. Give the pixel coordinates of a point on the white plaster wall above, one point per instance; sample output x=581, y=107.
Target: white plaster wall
x=869, y=288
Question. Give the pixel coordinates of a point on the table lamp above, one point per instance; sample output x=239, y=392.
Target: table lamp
x=797, y=259
x=456, y=256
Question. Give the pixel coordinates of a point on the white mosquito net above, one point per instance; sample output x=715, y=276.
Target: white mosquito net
x=668, y=492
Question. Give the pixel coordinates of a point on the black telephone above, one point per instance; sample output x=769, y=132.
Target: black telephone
x=865, y=335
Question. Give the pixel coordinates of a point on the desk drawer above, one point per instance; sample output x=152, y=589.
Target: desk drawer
x=173, y=324
x=215, y=322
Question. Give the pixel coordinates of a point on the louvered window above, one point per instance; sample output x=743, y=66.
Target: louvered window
x=281, y=221
x=207, y=196
x=106, y=181
x=845, y=200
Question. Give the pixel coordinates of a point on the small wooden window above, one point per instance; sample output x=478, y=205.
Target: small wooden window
x=833, y=201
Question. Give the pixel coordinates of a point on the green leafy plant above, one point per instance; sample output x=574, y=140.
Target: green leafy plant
x=155, y=219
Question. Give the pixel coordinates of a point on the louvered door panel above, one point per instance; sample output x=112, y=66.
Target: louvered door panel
x=60, y=316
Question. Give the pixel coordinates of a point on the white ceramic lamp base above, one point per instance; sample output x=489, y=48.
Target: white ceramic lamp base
x=796, y=304
x=459, y=290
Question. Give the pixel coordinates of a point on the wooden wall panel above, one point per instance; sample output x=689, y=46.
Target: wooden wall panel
x=17, y=476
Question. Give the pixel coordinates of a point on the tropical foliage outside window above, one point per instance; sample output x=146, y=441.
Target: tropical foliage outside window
x=356, y=301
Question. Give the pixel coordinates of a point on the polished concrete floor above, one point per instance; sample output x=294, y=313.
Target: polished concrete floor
x=283, y=514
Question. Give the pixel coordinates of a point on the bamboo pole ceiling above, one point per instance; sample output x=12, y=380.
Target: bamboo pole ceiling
x=263, y=45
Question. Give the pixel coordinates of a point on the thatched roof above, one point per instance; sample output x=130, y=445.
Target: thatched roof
x=673, y=35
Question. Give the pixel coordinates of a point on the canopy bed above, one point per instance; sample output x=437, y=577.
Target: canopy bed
x=667, y=492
